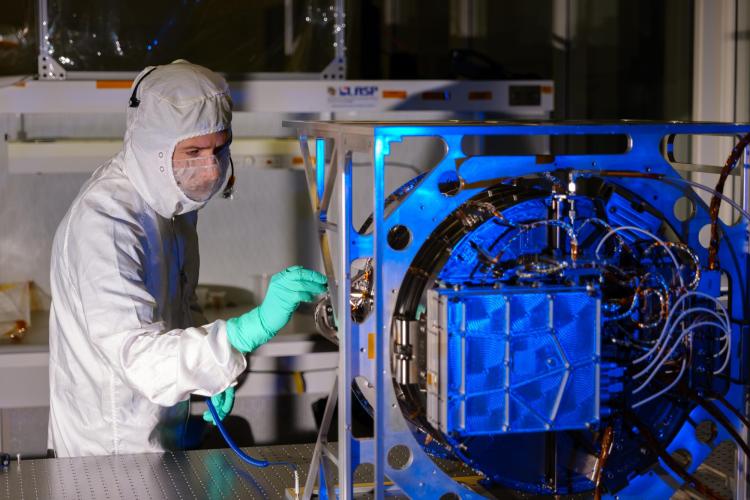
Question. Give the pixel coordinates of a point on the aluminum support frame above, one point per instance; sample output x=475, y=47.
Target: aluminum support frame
x=365, y=348
x=324, y=174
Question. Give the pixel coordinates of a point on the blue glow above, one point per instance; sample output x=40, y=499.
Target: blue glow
x=482, y=340
x=379, y=147
x=155, y=42
x=522, y=360
x=320, y=166
x=148, y=47
x=657, y=129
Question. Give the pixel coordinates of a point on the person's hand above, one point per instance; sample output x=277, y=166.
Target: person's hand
x=286, y=291
x=223, y=403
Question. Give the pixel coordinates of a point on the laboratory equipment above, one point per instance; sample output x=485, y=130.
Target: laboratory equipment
x=560, y=323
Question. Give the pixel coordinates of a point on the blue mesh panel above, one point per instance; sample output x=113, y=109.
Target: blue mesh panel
x=522, y=418
x=484, y=314
x=529, y=312
x=454, y=412
x=569, y=314
x=579, y=393
x=484, y=363
x=541, y=365
x=539, y=396
x=533, y=355
x=454, y=363
x=485, y=411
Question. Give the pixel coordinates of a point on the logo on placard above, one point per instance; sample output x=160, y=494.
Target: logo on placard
x=352, y=96
x=358, y=90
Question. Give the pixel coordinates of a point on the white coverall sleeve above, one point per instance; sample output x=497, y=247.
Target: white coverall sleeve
x=107, y=268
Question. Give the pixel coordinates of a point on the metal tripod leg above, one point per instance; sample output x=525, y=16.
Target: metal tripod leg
x=319, y=462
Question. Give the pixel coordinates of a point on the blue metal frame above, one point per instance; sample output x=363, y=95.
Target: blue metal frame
x=425, y=208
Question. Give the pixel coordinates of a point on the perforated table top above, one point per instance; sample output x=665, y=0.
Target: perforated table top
x=172, y=475
x=214, y=474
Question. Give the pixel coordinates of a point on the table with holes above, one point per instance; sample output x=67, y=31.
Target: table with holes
x=217, y=474
x=171, y=475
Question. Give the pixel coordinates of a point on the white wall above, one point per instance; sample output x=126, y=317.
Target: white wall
x=268, y=226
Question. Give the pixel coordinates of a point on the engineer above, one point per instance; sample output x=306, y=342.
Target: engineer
x=128, y=343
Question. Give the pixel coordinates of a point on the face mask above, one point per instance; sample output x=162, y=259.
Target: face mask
x=200, y=178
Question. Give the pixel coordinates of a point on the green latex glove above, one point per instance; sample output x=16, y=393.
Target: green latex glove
x=421, y=309
x=223, y=403
x=285, y=292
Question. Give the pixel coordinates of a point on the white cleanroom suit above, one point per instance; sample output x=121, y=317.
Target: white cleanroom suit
x=125, y=355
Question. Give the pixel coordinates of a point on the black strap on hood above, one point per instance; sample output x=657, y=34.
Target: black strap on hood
x=134, y=101
x=229, y=189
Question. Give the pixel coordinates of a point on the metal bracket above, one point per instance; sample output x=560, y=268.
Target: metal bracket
x=47, y=67
x=404, y=353
x=336, y=69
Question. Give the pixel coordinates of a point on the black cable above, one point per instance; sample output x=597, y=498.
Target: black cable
x=659, y=449
x=733, y=380
x=716, y=413
x=727, y=405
